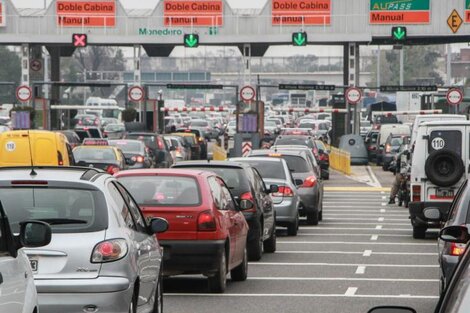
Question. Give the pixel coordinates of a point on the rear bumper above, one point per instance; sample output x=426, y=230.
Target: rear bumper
x=309, y=199
x=107, y=294
x=191, y=256
x=417, y=217
x=286, y=212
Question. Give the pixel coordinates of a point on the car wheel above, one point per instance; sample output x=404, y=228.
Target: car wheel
x=240, y=273
x=384, y=167
x=293, y=228
x=218, y=282
x=158, y=304
x=419, y=232
x=270, y=244
x=312, y=218
x=255, y=249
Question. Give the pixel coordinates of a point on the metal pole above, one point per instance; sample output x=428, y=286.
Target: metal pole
x=449, y=68
x=402, y=60
x=378, y=65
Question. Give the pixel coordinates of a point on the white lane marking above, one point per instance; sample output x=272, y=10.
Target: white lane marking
x=347, y=279
x=352, y=206
x=384, y=204
x=357, y=235
x=351, y=291
x=343, y=264
x=384, y=197
x=381, y=219
x=296, y=295
x=374, y=237
x=383, y=210
x=375, y=210
x=367, y=253
x=359, y=253
x=375, y=181
x=360, y=270
x=357, y=228
x=325, y=214
x=346, y=223
x=357, y=243
x=378, y=227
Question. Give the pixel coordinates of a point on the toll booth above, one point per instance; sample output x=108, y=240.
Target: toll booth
x=340, y=120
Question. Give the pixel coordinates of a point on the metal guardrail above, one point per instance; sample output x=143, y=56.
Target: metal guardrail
x=340, y=160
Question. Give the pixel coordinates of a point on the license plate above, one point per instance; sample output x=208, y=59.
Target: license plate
x=34, y=265
x=444, y=194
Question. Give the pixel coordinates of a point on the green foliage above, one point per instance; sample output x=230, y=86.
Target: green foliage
x=129, y=115
x=10, y=71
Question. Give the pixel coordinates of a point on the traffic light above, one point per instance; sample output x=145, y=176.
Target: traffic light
x=79, y=40
x=191, y=40
x=299, y=39
x=399, y=33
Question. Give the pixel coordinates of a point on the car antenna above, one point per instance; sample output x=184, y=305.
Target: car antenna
x=33, y=172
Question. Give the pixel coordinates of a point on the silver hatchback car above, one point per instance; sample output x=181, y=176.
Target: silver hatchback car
x=103, y=256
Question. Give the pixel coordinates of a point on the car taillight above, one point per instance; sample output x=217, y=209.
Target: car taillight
x=206, y=221
x=60, y=159
x=388, y=148
x=416, y=193
x=109, y=251
x=309, y=182
x=456, y=249
x=372, y=148
x=97, y=122
x=324, y=157
x=138, y=159
x=112, y=169
x=200, y=139
x=160, y=144
x=248, y=196
x=284, y=191
x=80, y=122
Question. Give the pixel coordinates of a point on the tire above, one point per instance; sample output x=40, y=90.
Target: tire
x=158, y=304
x=269, y=245
x=218, y=282
x=444, y=167
x=312, y=218
x=384, y=167
x=419, y=232
x=240, y=273
x=255, y=247
x=320, y=215
x=293, y=228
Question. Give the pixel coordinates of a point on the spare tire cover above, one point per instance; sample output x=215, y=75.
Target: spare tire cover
x=444, y=167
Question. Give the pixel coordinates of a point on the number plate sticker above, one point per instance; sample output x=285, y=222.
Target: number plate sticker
x=438, y=143
x=34, y=265
x=447, y=194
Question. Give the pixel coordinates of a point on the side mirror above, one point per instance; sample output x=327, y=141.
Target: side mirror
x=35, y=234
x=432, y=214
x=158, y=225
x=455, y=234
x=246, y=205
x=391, y=309
x=299, y=182
x=273, y=188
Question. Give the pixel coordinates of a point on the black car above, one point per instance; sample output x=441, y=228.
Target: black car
x=371, y=144
x=157, y=145
x=135, y=152
x=246, y=183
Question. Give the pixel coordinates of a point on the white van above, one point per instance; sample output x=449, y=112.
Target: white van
x=432, y=117
x=441, y=155
x=385, y=131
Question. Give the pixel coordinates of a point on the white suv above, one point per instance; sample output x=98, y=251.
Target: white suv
x=17, y=290
x=440, y=158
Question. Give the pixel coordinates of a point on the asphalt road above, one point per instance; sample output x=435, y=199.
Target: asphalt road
x=361, y=255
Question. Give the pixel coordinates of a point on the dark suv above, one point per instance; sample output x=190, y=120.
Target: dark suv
x=246, y=183
x=157, y=146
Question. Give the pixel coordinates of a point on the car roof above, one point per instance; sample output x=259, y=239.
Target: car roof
x=166, y=172
x=295, y=136
x=264, y=159
x=285, y=152
x=67, y=174
x=211, y=163
x=446, y=122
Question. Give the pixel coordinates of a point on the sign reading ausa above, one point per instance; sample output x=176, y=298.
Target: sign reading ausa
x=193, y=13
x=400, y=12
x=301, y=12
x=86, y=13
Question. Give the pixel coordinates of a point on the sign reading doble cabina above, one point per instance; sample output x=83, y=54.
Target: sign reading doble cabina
x=193, y=13
x=86, y=13
x=301, y=12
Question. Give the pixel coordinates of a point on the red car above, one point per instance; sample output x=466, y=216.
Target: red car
x=207, y=231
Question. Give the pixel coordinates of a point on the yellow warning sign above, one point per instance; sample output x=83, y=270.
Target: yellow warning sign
x=454, y=21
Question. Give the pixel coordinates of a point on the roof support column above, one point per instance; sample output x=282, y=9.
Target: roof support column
x=54, y=53
x=247, y=63
x=25, y=64
x=351, y=78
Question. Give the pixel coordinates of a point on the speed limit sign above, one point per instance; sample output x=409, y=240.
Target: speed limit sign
x=353, y=95
x=136, y=93
x=454, y=96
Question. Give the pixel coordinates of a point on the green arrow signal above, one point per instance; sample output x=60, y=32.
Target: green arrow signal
x=300, y=39
x=399, y=33
x=191, y=41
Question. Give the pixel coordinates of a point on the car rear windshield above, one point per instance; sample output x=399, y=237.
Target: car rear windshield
x=114, y=128
x=296, y=164
x=268, y=169
x=127, y=146
x=97, y=154
x=66, y=210
x=159, y=190
x=398, y=141
x=149, y=140
x=287, y=141
x=199, y=123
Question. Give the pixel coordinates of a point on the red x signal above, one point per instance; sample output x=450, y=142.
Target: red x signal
x=79, y=40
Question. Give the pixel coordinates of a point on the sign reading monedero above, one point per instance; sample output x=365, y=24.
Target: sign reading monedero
x=86, y=13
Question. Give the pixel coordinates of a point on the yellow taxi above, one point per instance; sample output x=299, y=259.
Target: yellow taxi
x=98, y=154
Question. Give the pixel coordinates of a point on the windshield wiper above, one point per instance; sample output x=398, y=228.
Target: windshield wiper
x=58, y=221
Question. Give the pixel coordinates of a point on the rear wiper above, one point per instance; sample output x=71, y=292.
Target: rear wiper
x=58, y=221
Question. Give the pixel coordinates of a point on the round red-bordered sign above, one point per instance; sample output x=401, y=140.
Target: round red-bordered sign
x=247, y=93
x=136, y=93
x=24, y=93
x=454, y=96
x=353, y=95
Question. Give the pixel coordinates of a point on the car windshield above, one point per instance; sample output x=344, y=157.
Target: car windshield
x=398, y=141
x=267, y=169
x=127, y=146
x=159, y=190
x=114, y=128
x=92, y=153
x=296, y=164
x=66, y=210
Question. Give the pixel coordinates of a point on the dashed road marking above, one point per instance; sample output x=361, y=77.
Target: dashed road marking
x=378, y=227
x=374, y=237
x=351, y=291
x=367, y=253
x=360, y=270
